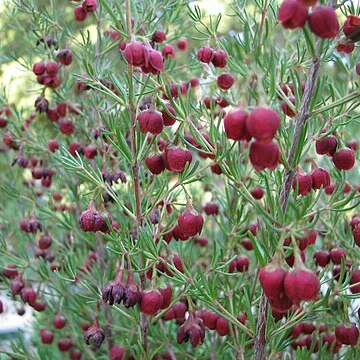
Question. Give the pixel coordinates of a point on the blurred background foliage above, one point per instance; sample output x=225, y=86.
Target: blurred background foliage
x=18, y=49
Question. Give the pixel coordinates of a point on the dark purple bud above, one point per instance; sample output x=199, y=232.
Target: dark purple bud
x=48, y=40
x=193, y=329
x=35, y=226
x=107, y=294
x=119, y=175
x=118, y=291
x=95, y=333
x=21, y=161
x=154, y=216
x=64, y=57
x=41, y=104
x=131, y=294
x=99, y=337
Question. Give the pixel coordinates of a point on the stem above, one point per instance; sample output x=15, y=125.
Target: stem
x=260, y=339
x=135, y=175
x=302, y=117
x=263, y=16
x=352, y=96
x=300, y=122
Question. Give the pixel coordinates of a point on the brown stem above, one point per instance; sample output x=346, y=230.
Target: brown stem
x=135, y=174
x=300, y=122
x=260, y=340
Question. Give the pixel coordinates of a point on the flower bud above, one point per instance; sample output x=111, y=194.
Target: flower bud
x=92, y=221
x=117, y=353
x=293, y=14
x=262, y=124
x=136, y=54
x=344, y=159
x=167, y=51
x=193, y=329
x=301, y=284
x=150, y=302
x=168, y=119
x=28, y=295
x=59, y=321
x=155, y=164
x=131, y=293
x=155, y=63
x=65, y=57
x=302, y=183
x=151, y=121
x=52, y=82
x=225, y=81
x=352, y=28
x=205, y=54
x=39, y=68
x=16, y=285
x=182, y=44
x=347, y=335
x=219, y=59
x=47, y=336
x=235, y=125
x=64, y=345
x=320, y=178
x=190, y=223
x=10, y=272
x=159, y=36
x=323, y=22
x=52, y=68
x=175, y=159
x=90, y=6
x=211, y=209
x=95, y=333
x=41, y=104
x=264, y=155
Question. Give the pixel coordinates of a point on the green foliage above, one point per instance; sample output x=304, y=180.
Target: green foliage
x=263, y=57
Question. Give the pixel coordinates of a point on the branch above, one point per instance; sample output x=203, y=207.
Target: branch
x=302, y=117
x=300, y=122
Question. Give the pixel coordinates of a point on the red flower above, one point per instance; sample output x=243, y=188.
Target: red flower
x=225, y=81
x=155, y=64
x=136, y=54
x=345, y=48
x=167, y=51
x=352, y=27
x=175, y=159
x=235, y=125
x=159, y=36
x=264, y=155
x=293, y=14
x=205, y=54
x=324, y=22
x=190, y=223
